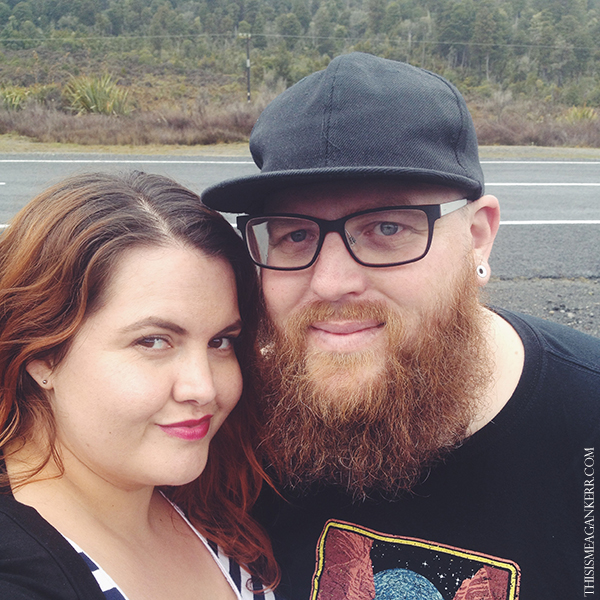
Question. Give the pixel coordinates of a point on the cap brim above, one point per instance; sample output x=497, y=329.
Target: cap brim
x=247, y=194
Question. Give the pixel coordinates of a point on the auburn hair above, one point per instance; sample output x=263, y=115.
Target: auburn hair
x=56, y=260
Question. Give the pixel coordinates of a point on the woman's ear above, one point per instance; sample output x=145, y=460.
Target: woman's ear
x=41, y=371
x=485, y=220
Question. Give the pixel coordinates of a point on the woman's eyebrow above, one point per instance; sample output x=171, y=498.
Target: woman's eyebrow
x=233, y=328
x=153, y=322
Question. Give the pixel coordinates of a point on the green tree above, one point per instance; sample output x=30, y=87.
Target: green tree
x=244, y=27
x=29, y=33
x=159, y=27
x=280, y=63
x=86, y=12
x=251, y=11
x=376, y=10
x=302, y=11
x=117, y=17
x=489, y=43
x=393, y=18
x=289, y=26
x=258, y=40
x=22, y=12
x=5, y=13
x=543, y=38
x=557, y=9
x=455, y=30
x=324, y=28
x=577, y=34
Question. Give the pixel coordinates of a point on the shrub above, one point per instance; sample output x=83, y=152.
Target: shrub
x=96, y=95
x=14, y=98
x=576, y=114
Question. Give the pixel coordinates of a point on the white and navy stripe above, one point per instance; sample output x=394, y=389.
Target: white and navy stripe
x=239, y=579
x=109, y=588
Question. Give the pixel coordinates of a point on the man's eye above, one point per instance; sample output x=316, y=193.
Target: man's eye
x=298, y=236
x=154, y=343
x=221, y=343
x=388, y=228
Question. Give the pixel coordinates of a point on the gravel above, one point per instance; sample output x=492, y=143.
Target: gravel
x=572, y=302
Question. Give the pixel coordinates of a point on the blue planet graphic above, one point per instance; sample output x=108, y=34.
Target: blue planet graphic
x=402, y=584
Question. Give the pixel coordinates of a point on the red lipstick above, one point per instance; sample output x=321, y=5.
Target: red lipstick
x=194, y=429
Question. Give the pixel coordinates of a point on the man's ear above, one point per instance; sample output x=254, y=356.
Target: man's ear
x=485, y=220
x=41, y=371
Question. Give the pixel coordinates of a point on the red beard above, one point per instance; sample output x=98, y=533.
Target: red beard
x=372, y=420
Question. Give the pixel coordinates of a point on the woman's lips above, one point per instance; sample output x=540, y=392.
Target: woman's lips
x=194, y=429
x=344, y=336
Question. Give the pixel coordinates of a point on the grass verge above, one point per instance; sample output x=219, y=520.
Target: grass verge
x=14, y=144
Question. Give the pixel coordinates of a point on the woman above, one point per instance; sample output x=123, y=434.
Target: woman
x=120, y=330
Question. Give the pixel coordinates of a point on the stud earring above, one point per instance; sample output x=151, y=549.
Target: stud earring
x=44, y=381
x=482, y=271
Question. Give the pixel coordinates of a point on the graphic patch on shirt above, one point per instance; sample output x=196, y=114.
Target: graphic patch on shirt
x=354, y=563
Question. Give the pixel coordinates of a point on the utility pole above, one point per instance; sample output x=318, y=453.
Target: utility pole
x=247, y=37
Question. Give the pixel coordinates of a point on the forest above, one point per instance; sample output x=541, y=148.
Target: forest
x=144, y=71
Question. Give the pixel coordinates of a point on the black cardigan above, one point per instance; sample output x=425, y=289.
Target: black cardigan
x=36, y=561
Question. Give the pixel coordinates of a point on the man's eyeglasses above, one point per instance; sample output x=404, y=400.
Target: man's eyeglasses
x=380, y=237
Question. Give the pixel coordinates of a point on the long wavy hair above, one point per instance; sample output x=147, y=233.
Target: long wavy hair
x=56, y=260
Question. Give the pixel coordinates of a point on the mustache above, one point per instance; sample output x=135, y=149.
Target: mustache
x=301, y=321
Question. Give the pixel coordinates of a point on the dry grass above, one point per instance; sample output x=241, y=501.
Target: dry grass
x=171, y=126
x=499, y=121
x=519, y=131
x=200, y=122
x=524, y=123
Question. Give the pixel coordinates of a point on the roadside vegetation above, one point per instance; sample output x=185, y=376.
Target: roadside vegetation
x=173, y=72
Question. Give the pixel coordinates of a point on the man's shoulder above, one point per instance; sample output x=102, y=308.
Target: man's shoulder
x=562, y=342
x=561, y=378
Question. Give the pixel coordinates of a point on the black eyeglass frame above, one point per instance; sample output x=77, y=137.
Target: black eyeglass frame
x=433, y=212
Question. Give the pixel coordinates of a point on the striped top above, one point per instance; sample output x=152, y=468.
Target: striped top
x=236, y=576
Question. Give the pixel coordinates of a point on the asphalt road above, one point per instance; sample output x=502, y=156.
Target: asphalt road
x=546, y=259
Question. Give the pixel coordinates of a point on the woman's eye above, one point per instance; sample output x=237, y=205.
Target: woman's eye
x=154, y=343
x=221, y=343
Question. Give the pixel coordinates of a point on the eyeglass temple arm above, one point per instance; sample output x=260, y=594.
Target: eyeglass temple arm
x=449, y=207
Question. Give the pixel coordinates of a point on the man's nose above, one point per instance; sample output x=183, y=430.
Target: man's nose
x=335, y=273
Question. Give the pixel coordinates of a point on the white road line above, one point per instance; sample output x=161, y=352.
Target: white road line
x=574, y=184
x=589, y=222
x=539, y=162
x=249, y=162
x=131, y=162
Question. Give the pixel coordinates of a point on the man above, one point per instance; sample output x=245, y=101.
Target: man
x=425, y=446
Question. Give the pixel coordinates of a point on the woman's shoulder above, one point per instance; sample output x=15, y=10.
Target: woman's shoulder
x=36, y=562
x=239, y=578
x=248, y=587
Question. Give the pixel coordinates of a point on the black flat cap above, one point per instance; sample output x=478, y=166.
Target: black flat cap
x=362, y=117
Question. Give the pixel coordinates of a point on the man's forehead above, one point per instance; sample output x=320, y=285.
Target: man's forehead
x=336, y=198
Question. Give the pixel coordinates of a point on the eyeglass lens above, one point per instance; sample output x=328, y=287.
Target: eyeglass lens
x=379, y=237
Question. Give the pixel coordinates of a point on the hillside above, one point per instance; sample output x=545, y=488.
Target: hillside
x=175, y=71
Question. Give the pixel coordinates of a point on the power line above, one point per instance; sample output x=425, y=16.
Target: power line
x=349, y=39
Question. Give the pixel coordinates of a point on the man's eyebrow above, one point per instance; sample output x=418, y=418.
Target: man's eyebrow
x=153, y=322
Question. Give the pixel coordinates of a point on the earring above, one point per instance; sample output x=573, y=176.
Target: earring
x=482, y=271
x=44, y=381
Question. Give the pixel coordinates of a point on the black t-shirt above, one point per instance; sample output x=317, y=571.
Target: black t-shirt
x=507, y=515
